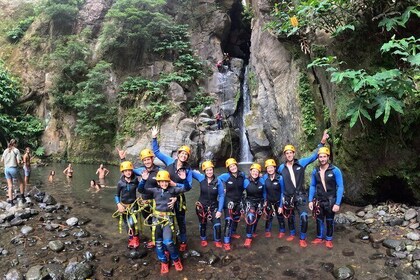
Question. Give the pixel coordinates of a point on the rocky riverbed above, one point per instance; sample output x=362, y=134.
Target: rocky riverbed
x=42, y=238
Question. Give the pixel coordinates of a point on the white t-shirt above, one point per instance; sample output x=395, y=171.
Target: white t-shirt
x=11, y=157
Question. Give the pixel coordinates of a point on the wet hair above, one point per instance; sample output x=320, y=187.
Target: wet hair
x=12, y=142
x=52, y=173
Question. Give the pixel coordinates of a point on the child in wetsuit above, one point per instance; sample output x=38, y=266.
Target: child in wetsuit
x=126, y=198
x=163, y=215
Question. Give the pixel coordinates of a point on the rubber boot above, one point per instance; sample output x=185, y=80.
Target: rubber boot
x=178, y=265
x=248, y=242
x=164, y=268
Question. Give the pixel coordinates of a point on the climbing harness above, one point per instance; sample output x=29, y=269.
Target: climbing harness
x=203, y=214
x=316, y=210
x=232, y=213
x=288, y=207
x=132, y=211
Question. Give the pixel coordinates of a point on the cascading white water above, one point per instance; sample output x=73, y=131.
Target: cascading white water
x=245, y=152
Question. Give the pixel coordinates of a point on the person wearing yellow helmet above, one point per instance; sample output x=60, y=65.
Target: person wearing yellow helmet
x=233, y=181
x=147, y=157
x=125, y=198
x=274, y=187
x=254, y=203
x=163, y=216
x=295, y=195
x=210, y=202
x=176, y=167
x=325, y=193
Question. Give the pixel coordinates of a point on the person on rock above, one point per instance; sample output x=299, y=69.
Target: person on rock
x=325, y=195
x=233, y=181
x=210, y=203
x=274, y=188
x=126, y=201
x=295, y=195
x=254, y=202
x=163, y=216
x=176, y=168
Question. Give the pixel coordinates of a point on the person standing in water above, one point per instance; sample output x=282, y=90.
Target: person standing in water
x=102, y=172
x=26, y=159
x=68, y=171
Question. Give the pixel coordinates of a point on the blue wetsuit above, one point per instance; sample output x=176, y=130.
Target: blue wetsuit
x=180, y=205
x=212, y=196
x=254, y=202
x=326, y=198
x=274, y=188
x=295, y=197
x=127, y=195
x=233, y=206
x=163, y=218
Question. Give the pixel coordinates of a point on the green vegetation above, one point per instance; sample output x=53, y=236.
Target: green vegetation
x=14, y=122
x=15, y=34
x=95, y=117
x=132, y=28
x=200, y=101
x=385, y=87
x=308, y=107
x=61, y=14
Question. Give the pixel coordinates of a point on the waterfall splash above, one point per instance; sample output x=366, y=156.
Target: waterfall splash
x=245, y=152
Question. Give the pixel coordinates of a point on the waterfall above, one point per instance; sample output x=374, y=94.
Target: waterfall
x=245, y=152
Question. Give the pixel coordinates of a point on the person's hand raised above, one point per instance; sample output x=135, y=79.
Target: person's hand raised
x=155, y=132
x=121, y=153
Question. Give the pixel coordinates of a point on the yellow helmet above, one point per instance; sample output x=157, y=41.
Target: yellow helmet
x=146, y=153
x=126, y=165
x=206, y=164
x=230, y=161
x=270, y=162
x=163, y=175
x=289, y=148
x=185, y=149
x=324, y=150
x=255, y=166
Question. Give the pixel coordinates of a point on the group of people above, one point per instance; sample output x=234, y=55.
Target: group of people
x=12, y=160
x=279, y=192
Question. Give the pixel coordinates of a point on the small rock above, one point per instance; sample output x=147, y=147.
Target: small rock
x=393, y=262
x=14, y=274
x=25, y=230
x=72, y=221
x=413, y=236
x=414, y=226
x=376, y=237
x=344, y=272
x=410, y=214
x=328, y=266
x=348, y=252
x=361, y=214
x=376, y=256
x=56, y=245
x=283, y=249
x=397, y=245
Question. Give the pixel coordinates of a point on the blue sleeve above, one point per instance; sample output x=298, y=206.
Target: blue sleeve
x=140, y=186
x=280, y=169
x=306, y=161
x=224, y=177
x=262, y=181
x=117, y=199
x=340, y=185
x=180, y=188
x=312, y=186
x=221, y=193
x=164, y=158
x=197, y=175
x=246, y=183
x=138, y=171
